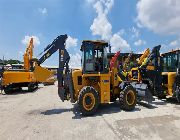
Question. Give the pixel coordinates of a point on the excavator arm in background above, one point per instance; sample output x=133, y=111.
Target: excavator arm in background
x=28, y=55
x=154, y=55
x=143, y=56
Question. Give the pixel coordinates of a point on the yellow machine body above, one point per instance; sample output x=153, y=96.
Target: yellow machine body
x=38, y=75
x=169, y=79
x=142, y=60
x=10, y=77
x=101, y=84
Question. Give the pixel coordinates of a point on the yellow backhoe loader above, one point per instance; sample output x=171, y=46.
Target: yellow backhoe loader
x=97, y=82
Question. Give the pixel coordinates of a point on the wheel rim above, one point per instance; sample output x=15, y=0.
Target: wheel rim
x=130, y=97
x=88, y=101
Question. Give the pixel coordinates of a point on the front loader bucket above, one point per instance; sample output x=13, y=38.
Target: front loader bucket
x=143, y=92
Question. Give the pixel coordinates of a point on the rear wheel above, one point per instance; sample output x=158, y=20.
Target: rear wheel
x=7, y=90
x=32, y=87
x=128, y=98
x=88, y=100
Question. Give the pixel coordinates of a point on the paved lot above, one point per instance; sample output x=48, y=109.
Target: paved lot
x=41, y=115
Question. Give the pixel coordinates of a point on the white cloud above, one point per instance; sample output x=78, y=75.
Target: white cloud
x=102, y=27
x=139, y=42
x=135, y=32
x=175, y=43
x=140, y=52
x=118, y=43
x=122, y=32
x=71, y=42
x=43, y=11
x=160, y=16
x=166, y=48
x=90, y=1
x=75, y=60
x=20, y=52
x=27, y=38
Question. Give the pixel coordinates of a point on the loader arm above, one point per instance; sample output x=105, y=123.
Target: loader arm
x=28, y=55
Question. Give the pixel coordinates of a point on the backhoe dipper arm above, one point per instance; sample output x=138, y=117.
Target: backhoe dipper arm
x=63, y=70
x=57, y=44
x=154, y=75
x=154, y=55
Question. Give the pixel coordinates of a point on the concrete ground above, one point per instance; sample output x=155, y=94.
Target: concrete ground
x=41, y=115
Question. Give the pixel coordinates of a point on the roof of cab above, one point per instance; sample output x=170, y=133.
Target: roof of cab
x=97, y=42
x=172, y=51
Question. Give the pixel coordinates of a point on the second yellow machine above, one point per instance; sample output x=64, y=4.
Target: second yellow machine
x=13, y=80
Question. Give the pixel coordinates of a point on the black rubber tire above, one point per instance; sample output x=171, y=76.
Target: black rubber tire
x=8, y=90
x=19, y=89
x=31, y=87
x=123, y=98
x=82, y=93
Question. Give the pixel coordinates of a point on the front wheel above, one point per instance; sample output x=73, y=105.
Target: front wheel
x=88, y=100
x=128, y=98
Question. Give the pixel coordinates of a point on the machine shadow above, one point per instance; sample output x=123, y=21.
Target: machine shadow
x=147, y=105
x=22, y=92
x=103, y=109
x=107, y=108
x=56, y=111
x=172, y=101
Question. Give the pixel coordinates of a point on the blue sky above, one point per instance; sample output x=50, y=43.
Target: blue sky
x=126, y=24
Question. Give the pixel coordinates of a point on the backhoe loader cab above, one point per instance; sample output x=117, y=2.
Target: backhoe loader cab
x=94, y=57
x=171, y=61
